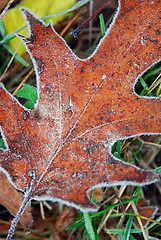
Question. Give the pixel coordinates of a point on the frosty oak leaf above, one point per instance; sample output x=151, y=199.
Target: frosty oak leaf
x=63, y=145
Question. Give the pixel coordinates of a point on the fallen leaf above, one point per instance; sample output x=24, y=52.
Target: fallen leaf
x=144, y=209
x=65, y=218
x=12, y=199
x=62, y=148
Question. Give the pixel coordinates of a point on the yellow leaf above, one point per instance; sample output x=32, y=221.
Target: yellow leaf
x=13, y=20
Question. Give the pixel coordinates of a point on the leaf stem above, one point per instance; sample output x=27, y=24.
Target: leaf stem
x=27, y=199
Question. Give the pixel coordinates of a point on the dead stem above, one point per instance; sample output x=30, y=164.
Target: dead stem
x=27, y=199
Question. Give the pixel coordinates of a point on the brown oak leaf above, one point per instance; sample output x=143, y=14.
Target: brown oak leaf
x=62, y=148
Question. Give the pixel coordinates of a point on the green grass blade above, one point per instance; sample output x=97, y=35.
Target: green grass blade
x=157, y=169
x=11, y=35
x=95, y=230
x=152, y=73
x=88, y=225
x=117, y=231
x=102, y=24
x=2, y=145
x=99, y=214
x=92, y=197
x=143, y=83
x=153, y=238
x=130, y=220
x=2, y=29
x=128, y=228
x=116, y=149
x=154, y=224
x=119, y=145
x=142, y=143
x=76, y=6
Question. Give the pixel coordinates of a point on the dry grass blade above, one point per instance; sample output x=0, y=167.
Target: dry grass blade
x=120, y=223
x=21, y=83
x=19, y=226
x=139, y=221
x=155, y=84
x=71, y=22
x=5, y=9
x=105, y=218
x=150, y=143
x=11, y=60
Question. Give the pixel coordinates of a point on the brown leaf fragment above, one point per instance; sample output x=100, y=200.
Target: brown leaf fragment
x=12, y=199
x=145, y=210
x=65, y=219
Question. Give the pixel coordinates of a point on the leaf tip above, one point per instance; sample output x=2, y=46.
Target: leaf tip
x=30, y=18
x=33, y=24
